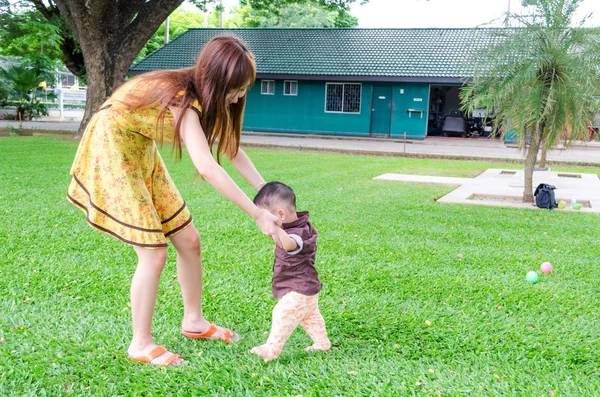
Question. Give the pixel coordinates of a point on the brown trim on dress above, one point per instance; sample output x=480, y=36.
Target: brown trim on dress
x=109, y=215
x=179, y=228
x=87, y=218
x=174, y=215
x=103, y=107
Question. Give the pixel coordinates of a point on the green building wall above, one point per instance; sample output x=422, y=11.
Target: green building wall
x=410, y=102
x=305, y=112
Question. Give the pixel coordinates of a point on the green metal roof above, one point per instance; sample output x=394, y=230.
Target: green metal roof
x=379, y=54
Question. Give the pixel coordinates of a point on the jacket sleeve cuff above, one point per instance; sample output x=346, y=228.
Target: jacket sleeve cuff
x=298, y=241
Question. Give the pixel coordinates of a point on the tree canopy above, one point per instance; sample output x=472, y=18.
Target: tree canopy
x=542, y=82
x=100, y=39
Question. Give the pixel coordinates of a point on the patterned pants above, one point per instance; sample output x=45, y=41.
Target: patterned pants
x=291, y=310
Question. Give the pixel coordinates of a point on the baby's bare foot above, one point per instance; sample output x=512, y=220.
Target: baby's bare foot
x=265, y=352
x=314, y=348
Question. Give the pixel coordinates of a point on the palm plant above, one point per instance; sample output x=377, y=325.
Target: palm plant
x=24, y=84
x=541, y=82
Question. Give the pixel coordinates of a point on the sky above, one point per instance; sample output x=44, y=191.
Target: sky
x=444, y=13
x=449, y=13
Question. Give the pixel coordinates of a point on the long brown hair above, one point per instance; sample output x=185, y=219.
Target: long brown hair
x=225, y=64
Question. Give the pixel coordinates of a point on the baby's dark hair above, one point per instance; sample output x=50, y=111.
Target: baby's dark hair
x=275, y=193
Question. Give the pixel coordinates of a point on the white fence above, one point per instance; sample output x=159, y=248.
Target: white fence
x=70, y=96
x=73, y=95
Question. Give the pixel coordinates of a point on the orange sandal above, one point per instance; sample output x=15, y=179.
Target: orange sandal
x=156, y=352
x=208, y=333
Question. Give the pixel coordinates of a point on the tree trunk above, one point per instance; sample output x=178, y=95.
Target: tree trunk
x=544, y=153
x=543, y=157
x=111, y=34
x=532, y=152
x=104, y=75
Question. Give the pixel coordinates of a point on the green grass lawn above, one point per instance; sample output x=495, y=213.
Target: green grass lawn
x=405, y=313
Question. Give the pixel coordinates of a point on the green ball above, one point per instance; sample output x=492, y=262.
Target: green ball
x=532, y=277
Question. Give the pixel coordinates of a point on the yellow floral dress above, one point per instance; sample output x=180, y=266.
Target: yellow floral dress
x=120, y=180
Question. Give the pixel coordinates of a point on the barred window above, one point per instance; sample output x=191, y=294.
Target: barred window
x=267, y=87
x=342, y=97
x=290, y=87
x=352, y=98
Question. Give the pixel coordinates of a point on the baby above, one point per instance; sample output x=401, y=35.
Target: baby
x=295, y=280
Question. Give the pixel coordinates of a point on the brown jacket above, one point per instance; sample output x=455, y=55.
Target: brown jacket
x=295, y=271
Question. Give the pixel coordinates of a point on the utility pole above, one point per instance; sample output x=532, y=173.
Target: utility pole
x=221, y=14
x=167, y=31
x=61, y=107
x=507, y=20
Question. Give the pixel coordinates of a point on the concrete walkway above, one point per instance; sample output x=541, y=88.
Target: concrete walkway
x=461, y=148
x=43, y=125
x=458, y=148
x=504, y=188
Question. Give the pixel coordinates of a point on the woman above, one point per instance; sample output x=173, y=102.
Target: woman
x=121, y=183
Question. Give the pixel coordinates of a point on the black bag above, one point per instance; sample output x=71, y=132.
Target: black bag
x=544, y=196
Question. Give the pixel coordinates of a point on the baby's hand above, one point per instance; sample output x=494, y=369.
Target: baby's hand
x=268, y=224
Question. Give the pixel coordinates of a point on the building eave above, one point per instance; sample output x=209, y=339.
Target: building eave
x=374, y=79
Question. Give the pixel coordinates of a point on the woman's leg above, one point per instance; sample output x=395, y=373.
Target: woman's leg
x=144, y=288
x=189, y=274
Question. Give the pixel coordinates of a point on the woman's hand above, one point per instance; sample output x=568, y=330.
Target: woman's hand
x=268, y=224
